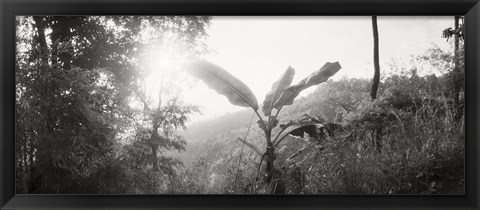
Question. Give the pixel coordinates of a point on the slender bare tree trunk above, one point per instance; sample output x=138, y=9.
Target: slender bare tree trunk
x=376, y=62
x=456, y=73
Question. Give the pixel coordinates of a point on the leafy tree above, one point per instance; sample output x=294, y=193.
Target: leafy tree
x=75, y=78
x=457, y=78
x=443, y=61
x=160, y=132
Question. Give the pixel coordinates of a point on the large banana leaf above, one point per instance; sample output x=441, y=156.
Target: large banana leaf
x=277, y=88
x=223, y=82
x=320, y=76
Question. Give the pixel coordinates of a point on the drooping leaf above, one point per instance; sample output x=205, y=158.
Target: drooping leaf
x=298, y=128
x=223, y=82
x=309, y=128
x=317, y=77
x=277, y=88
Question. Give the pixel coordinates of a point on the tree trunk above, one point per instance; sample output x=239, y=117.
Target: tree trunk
x=376, y=62
x=41, y=39
x=274, y=175
x=456, y=74
x=37, y=158
x=56, y=42
x=270, y=168
x=154, y=157
x=154, y=143
x=24, y=168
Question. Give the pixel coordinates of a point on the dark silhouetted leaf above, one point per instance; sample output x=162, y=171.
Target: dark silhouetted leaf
x=307, y=127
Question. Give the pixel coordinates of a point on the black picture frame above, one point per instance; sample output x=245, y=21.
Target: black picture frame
x=11, y=8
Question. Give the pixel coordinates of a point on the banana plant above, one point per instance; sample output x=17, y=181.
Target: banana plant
x=281, y=94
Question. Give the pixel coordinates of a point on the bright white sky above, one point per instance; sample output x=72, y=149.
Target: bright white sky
x=258, y=50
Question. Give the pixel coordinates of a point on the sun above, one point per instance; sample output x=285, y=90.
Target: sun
x=165, y=62
x=158, y=61
x=160, y=67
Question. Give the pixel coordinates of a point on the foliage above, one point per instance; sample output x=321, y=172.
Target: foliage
x=239, y=94
x=450, y=32
x=277, y=89
x=75, y=78
x=405, y=142
x=76, y=131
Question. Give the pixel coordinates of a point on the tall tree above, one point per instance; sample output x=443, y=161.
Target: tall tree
x=457, y=78
x=376, y=62
x=457, y=73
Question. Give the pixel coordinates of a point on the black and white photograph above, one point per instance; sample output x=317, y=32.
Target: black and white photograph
x=240, y=105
